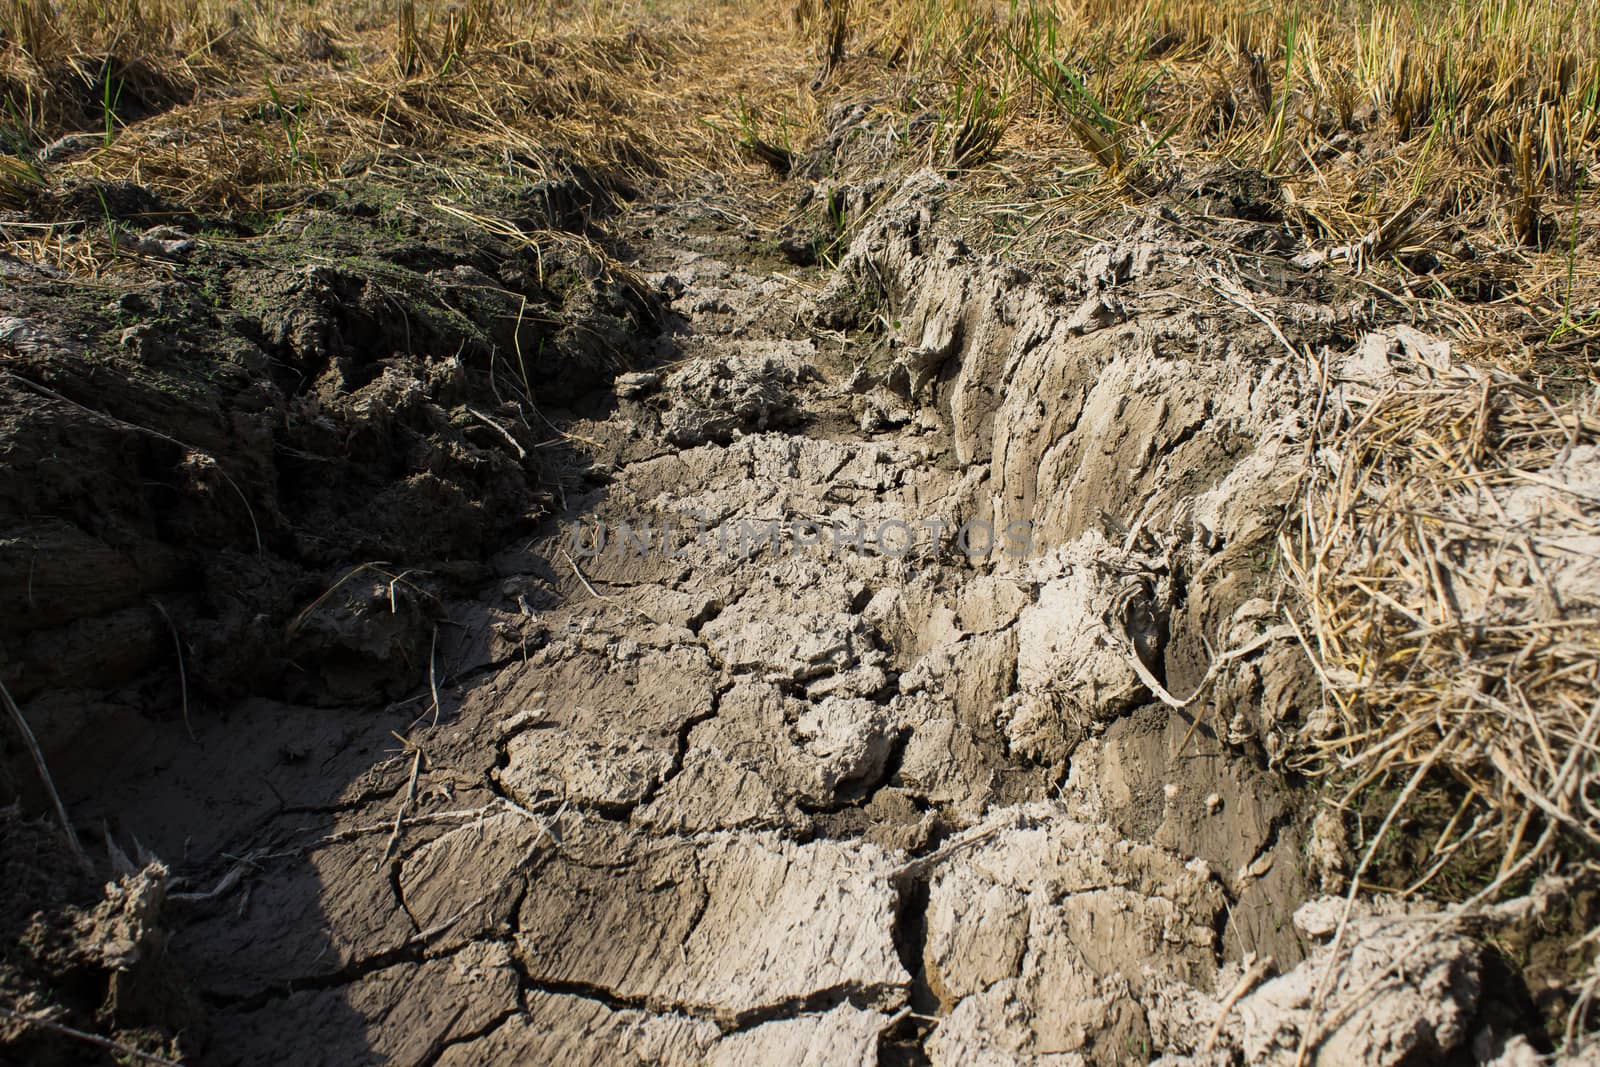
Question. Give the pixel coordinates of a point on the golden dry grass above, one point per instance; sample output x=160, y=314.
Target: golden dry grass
x=1469, y=130
x=234, y=106
x=248, y=109
x=1448, y=560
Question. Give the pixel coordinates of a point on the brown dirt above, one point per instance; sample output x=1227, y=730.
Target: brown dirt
x=458, y=791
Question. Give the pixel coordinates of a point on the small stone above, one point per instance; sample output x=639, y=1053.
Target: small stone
x=526, y=717
x=637, y=384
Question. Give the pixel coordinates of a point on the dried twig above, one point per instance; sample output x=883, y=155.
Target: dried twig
x=83, y=1035
x=1432, y=927
x=575, y=570
x=422, y=937
x=1247, y=982
x=923, y=864
x=405, y=804
x=375, y=566
x=522, y=453
x=1274, y=633
x=183, y=677
x=433, y=673
x=350, y=833
x=32, y=744
x=230, y=880
x=544, y=827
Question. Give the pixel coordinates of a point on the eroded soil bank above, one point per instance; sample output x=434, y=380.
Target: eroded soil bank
x=796, y=766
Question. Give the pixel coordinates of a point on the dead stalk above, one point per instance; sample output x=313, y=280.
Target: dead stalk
x=83, y=1035
x=405, y=806
x=32, y=744
x=183, y=677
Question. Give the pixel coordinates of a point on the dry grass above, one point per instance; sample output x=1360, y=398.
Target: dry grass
x=226, y=106
x=1464, y=95
x=1474, y=123
x=1449, y=561
x=1445, y=143
x=245, y=109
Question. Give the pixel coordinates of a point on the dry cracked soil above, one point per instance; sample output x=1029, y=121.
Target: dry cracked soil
x=679, y=656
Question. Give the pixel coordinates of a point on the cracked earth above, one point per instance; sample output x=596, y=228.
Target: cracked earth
x=823, y=798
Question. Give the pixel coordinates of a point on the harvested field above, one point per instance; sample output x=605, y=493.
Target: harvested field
x=940, y=533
